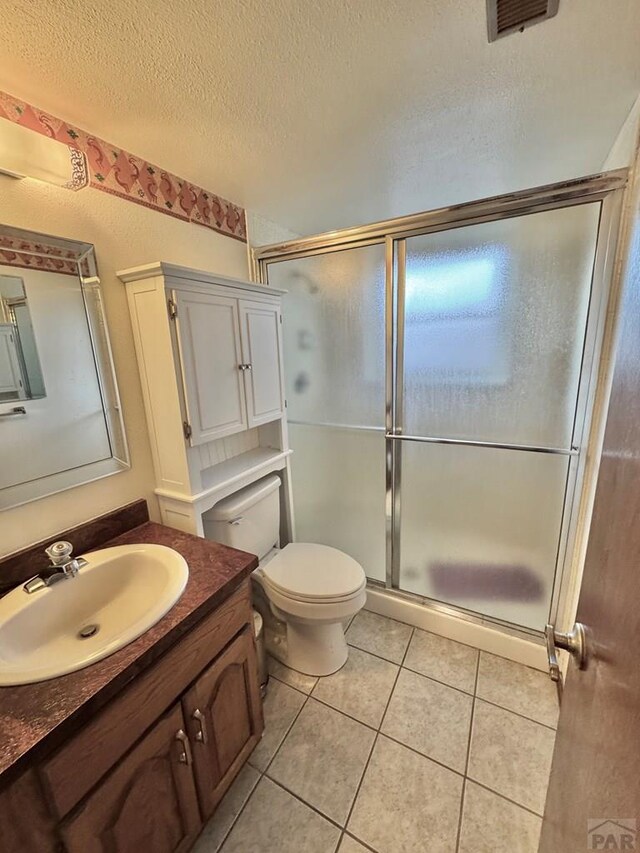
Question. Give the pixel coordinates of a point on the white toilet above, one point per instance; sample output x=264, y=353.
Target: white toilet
x=311, y=589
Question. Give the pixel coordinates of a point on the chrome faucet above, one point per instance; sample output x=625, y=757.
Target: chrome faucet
x=62, y=566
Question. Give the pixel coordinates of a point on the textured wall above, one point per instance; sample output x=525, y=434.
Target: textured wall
x=322, y=115
x=124, y=235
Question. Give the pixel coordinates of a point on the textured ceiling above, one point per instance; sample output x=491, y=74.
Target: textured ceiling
x=321, y=115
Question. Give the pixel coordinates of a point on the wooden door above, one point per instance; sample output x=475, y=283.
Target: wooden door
x=594, y=791
x=262, y=350
x=147, y=803
x=210, y=352
x=224, y=716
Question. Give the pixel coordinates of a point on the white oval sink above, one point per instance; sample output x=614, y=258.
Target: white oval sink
x=116, y=597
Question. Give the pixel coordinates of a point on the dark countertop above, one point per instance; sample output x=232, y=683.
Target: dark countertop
x=35, y=718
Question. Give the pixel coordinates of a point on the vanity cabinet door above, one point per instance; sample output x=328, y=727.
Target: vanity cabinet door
x=147, y=803
x=262, y=350
x=224, y=716
x=209, y=344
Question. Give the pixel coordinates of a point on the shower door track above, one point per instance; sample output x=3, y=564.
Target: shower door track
x=606, y=187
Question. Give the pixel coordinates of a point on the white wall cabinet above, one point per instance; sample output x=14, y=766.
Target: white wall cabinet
x=211, y=358
x=260, y=326
x=230, y=362
x=209, y=352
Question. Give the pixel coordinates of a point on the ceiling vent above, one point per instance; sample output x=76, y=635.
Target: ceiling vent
x=510, y=16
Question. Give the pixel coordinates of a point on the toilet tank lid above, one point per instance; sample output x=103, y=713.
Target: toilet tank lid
x=240, y=501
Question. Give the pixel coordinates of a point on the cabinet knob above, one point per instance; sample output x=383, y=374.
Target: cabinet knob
x=244, y=367
x=184, y=755
x=201, y=734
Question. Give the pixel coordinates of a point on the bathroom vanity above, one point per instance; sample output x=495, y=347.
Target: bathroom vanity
x=136, y=751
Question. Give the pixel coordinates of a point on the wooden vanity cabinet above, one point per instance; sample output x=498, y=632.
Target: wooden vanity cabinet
x=147, y=803
x=149, y=769
x=220, y=710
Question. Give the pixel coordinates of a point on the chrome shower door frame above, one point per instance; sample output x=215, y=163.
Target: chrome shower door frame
x=606, y=188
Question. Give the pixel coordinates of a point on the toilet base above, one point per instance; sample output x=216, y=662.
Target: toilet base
x=317, y=650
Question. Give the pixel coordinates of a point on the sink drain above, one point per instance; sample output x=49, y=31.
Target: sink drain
x=88, y=631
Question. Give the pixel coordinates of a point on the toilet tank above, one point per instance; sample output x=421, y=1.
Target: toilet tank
x=248, y=519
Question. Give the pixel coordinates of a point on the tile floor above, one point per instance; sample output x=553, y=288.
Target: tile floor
x=417, y=744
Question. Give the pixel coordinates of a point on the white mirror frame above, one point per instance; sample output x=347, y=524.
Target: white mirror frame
x=83, y=256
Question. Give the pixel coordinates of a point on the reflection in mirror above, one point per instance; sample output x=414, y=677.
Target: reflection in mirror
x=20, y=371
x=60, y=417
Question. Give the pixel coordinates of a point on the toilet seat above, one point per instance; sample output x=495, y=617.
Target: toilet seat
x=314, y=574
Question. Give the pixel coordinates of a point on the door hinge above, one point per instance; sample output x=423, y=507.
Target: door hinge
x=186, y=428
x=286, y=405
x=280, y=319
x=172, y=308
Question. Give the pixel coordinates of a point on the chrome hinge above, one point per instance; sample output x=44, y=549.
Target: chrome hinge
x=172, y=308
x=186, y=428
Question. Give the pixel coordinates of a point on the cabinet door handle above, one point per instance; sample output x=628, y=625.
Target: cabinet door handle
x=201, y=734
x=244, y=367
x=184, y=756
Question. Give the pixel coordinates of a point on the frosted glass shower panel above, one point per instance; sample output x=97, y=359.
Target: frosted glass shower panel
x=334, y=348
x=480, y=528
x=339, y=491
x=495, y=318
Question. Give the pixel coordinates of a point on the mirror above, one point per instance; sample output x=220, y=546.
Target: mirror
x=20, y=371
x=60, y=416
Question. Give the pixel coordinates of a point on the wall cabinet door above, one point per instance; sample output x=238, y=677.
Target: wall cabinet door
x=210, y=354
x=147, y=803
x=262, y=350
x=224, y=716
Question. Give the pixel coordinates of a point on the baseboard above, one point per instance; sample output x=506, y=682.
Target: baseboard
x=488, y=639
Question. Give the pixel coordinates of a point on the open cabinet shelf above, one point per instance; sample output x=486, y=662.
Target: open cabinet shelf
x=249, y=465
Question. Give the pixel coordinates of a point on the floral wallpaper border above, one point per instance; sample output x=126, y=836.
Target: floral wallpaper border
x=17, y=252
x=116, y=171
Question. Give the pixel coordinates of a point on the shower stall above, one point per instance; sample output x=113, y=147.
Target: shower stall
x=441, y=378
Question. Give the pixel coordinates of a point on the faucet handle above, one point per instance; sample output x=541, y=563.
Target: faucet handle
x=59, y=552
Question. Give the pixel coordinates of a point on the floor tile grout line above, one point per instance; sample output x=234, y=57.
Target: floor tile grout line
x=466, y=764
x=444, y=637
x=375, y=740
x=503, y=797
x=408, y=668
x=286, y=683
x=429, y=678
x=516, y=713
x=437, y=680
x=263, y=773
x=390, y=618
x=304, y=802
x=404, y=665
x=240, y=810
x=459, y=832
x=285, y=736
x=358, y=841
x=374, y=654
x=332, y=708
x=384, y=734
x=466, y=778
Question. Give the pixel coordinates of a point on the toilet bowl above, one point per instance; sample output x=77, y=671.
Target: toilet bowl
x=305, y=591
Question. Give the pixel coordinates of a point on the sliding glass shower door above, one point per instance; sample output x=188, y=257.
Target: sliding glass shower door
x=440, y=372
x=493, y=319
x=334, y=343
